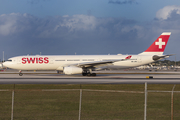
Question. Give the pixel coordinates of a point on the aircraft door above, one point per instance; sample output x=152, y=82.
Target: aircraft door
x=51, y=61
x=18, y=60
x=139, y=59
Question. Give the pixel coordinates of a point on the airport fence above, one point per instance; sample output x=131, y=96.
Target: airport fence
x=90, y=104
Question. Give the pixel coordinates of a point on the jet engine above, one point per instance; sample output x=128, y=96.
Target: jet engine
x=72, y=70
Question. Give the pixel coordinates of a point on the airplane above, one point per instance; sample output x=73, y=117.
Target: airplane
x=85, y=64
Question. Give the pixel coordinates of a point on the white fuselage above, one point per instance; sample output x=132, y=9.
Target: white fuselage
x=57, y=62
x=75, y=64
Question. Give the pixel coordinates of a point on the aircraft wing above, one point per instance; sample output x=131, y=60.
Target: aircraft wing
x=97, y=63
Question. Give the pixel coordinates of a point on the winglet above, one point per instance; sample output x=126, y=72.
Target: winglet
x=159, y=44
x=128, y=57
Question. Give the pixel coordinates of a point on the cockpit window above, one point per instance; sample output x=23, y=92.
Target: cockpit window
x=9, y=60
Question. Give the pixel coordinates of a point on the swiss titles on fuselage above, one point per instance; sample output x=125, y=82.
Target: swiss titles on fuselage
x=35, y=60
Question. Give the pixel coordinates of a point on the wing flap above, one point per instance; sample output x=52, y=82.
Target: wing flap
x=95, y=63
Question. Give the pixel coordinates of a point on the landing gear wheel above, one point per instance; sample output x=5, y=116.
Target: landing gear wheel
x=88, y=74
x=93, y=74
x=20, y=74
x=84, y=74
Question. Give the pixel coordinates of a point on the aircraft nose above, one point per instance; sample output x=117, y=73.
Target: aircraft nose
x=1, y=65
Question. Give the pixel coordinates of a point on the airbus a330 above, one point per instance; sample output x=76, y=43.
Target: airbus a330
x=86, y=64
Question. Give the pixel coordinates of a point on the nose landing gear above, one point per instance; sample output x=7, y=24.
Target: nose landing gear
x=20, y=73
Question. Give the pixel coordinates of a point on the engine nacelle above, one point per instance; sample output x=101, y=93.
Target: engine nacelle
x=72, y=70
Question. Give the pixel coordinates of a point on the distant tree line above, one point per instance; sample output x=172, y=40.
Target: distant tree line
x=166, y=63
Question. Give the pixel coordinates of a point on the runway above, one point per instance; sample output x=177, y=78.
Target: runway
x=99, y=79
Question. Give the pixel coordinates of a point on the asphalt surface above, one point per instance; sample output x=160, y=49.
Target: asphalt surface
x=101, y=78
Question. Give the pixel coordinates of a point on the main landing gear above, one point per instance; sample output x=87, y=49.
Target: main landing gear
x=88, y=74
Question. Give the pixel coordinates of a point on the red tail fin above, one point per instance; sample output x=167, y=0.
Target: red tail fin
x=159, y=44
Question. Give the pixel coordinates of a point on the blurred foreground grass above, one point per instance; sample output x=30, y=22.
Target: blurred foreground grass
x=32, y=103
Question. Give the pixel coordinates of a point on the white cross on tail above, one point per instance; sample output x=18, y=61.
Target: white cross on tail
x=160, y=43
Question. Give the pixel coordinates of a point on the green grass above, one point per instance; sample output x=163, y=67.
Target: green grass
x=46, y=105
x=5, y=105
x=32, y=103
x=110, y=106
x=176, y=106
x=163, y=87
x=159, y=106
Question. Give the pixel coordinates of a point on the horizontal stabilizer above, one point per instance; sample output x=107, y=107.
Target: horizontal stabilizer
x=156, y=57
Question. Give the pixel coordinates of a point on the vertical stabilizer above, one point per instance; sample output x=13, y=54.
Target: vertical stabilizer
x=159, y=45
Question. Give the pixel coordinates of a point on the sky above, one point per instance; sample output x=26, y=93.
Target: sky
x=87, y=27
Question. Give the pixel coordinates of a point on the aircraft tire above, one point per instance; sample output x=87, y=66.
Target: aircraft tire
x=84, y=74
x=93, y=74
x=88, y=74
x=20, y=74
